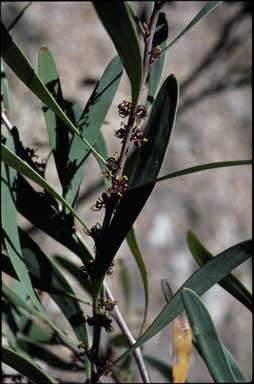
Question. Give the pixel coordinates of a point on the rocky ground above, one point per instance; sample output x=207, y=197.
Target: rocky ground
x=213, y=124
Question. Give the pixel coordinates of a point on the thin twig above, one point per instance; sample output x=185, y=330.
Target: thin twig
x=148, y=43
x=6, y=121
x=125, y=330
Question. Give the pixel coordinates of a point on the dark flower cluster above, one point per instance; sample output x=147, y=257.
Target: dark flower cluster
x=100, y=320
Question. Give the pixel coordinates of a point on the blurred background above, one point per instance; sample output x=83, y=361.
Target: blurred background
x=213, y=65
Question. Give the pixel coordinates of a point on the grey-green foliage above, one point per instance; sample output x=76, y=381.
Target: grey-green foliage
x=75, y=134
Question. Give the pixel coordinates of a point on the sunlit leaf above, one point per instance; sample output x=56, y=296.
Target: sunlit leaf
x=200, y=281
x=12, y=160
x=231, y=284
x=17, y=61
x=207, y=8
x=187, y=171
x=207, y=338
x=57, y=130
x=89, y=124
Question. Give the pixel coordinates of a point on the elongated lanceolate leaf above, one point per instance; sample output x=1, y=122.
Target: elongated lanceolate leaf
x=57, y=130
x=208, y=8
x=197, y=168
x=89, y=124
x=125, y=284
x=101, y=147
x=156, y=72
x=167, y=291
x=12, y=160
x=11, y=236
x=74, y=270
x=25, y=366
x=117, y=19
x=17, y=300
x=144, y=164
x=18, y=62
x=45, y=213
x=135, y=18
x=134, y=247
x=200, y=281
x=19, y=16
x=38, y=264
x=230, y=283
x=207, y=338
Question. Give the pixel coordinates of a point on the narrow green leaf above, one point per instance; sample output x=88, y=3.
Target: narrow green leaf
x=231, y=284
x=144, y=164
x=200, y=281
x=41, y=352
x=156, y=72
x=208, y=8
x=197, y=168
x=168, y=293
x=136, y=252
x=207, y=337
x=12, y=160
x=101, y=147
x=17, y=300
x=25, y=366
x=11, y=236
x=90, y=123
x=37, y=264
x=5, y=89
x=74, y=270
x=117, y=19
x=17, y=61
x=19, y=16
x=135, y=18
x=125, y=284
x=57, y=130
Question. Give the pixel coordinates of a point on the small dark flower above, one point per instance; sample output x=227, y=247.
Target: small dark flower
x=100, y=320
x=138, y=138
x=119, y=185
x=141, y=112
x=112, y=163
x=101, y=202
x=121, y=132
x=124, y=108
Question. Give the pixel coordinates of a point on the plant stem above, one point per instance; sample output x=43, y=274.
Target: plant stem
x=6, y=121
x=148, y=40
x=148, y=44
x=125, y=330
